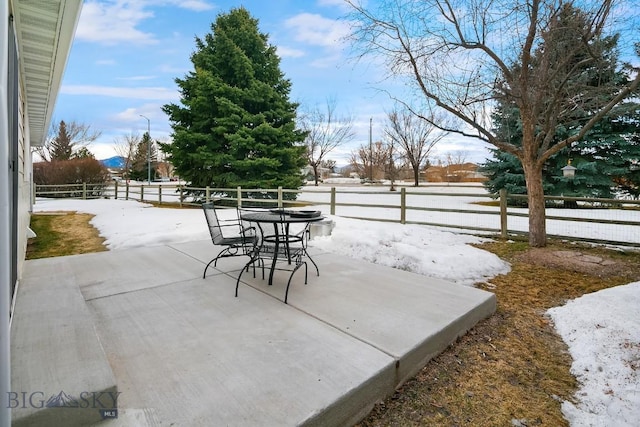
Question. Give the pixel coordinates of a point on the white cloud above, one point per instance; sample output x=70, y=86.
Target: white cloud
x=113, y=22
x=317, y=30
x=326, y=61
x=159, y=93
x=132, y=115
x=195, y=5
x=287, y=52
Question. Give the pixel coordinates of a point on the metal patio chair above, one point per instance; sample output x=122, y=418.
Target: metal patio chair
x=279, y=247
x=235, y=239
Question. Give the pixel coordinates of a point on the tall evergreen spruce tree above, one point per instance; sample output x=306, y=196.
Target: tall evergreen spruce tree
x=61, y=146
x=606, y=159
x=629, y=184
x=236, y=125
x=144, y=151
x=603, y=157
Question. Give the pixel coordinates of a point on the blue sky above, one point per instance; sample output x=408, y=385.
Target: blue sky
x=127, y=54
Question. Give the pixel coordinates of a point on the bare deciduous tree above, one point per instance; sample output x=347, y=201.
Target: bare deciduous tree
x=326, y=131
x=393, y=157
x=455, y=158
x=414, y=137
x=125, y=147
x=65, y=140
x=464, y=56
x=371, y=161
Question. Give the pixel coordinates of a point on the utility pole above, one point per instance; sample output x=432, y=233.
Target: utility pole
x=148, y=149
x=370, y=150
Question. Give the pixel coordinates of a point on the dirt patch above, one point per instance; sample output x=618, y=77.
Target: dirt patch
x=599, y=265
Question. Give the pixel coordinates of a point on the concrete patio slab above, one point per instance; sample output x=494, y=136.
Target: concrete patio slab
x=56, y=355
x=184, y=350
x=195, y=355
x=401, y=313
x=133, y=269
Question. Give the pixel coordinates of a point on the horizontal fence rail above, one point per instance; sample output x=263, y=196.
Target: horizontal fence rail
x=610, y=221
x=81, y=191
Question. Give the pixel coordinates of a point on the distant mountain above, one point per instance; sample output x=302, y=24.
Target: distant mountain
x=116, y=162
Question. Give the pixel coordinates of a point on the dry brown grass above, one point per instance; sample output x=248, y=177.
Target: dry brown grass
x=511, y=366
x=63, y=233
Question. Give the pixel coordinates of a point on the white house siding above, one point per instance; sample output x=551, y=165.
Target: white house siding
x=24, y=181
x=5, y=216
x=44, y=32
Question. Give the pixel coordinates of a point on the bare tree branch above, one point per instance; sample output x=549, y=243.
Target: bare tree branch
x=325, y=131
x=414, y=136
x=465, y=57
x=125, y=146
x=77, y=136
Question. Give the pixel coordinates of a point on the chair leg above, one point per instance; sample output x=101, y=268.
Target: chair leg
x=312, y=262
x=231, y=251
x=221, y=254
x=252, y=261
x=238, y=283
x=305, y=272
x=239, y=276
x=205, y=269
x=286, y=292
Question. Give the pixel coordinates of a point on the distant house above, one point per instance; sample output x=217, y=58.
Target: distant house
x=465, y=172
x=35, y=40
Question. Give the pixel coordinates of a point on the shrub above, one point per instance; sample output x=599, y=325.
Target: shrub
x=75, y=171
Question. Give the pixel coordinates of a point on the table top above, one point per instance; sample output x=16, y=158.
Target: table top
x=274, y=217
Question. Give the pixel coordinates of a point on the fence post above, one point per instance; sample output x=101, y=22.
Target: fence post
x=126, y=193
x=181, y=188
x=403, y=205
x=239, y=196
x=84, y=191
x=279, y=197
x=503, y=213
x=333, y=200
x=207, y=194
x=115, y=191
x=159, y=194
x=142, y=193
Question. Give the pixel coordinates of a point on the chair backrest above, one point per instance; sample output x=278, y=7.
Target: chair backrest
x=212, y=222
x=249, y=225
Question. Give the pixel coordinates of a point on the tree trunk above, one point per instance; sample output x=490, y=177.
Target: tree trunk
x=315, y=174
x=537, y=213
x=416, y=176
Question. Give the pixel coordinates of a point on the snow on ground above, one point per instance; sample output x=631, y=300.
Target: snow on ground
x=602, y=329
x=129, y=224
x=422, y=250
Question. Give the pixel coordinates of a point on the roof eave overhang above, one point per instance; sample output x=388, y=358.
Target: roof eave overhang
x=45, y=31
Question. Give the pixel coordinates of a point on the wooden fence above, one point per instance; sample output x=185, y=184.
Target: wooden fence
x=490, y=213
